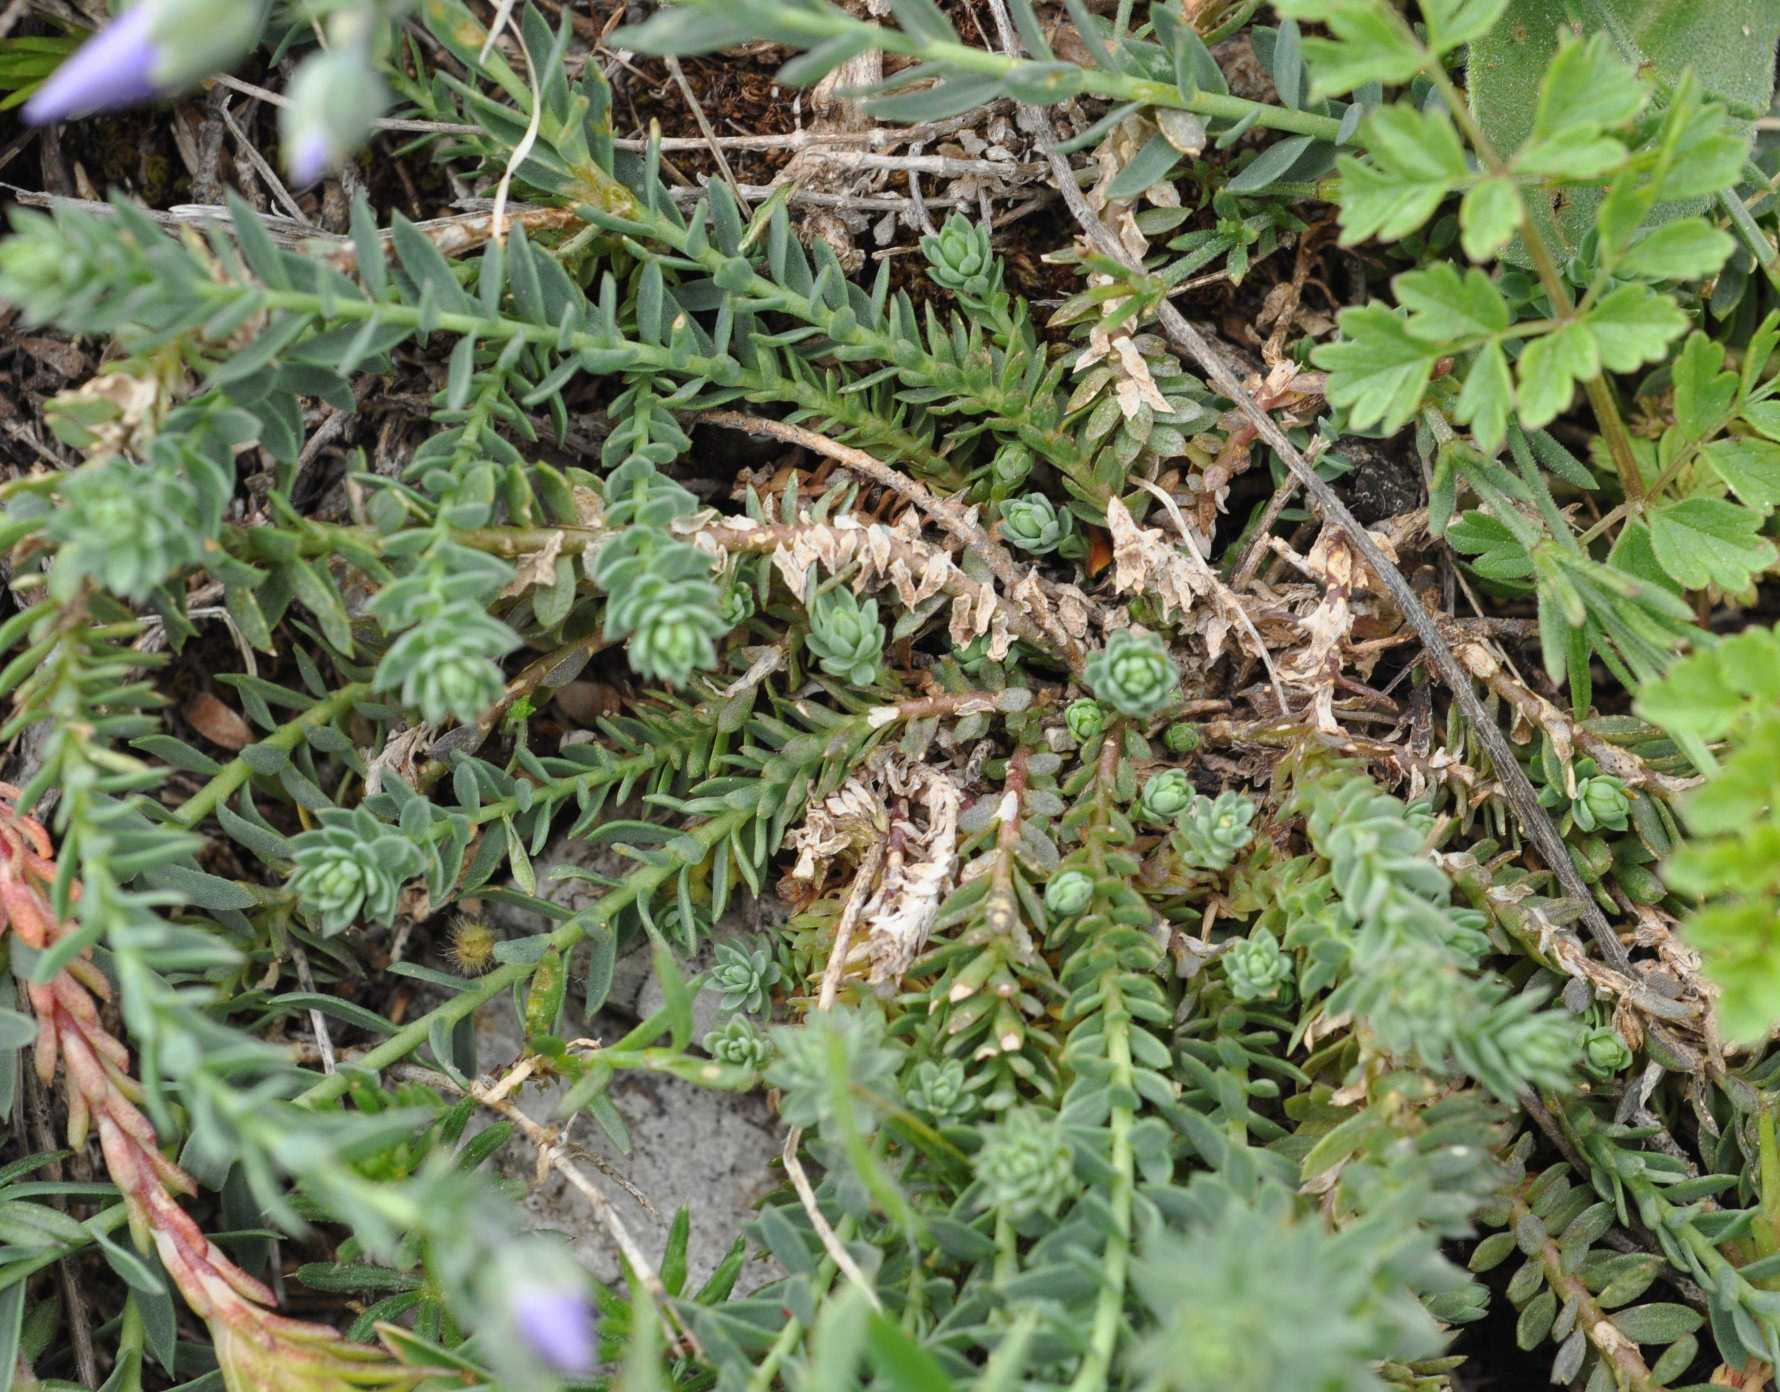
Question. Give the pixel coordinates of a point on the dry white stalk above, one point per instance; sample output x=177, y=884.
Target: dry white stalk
x=831, y=976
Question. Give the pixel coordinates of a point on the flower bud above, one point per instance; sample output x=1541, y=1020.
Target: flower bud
x=544, y=998
x=153, y=49
x=472, y=946
x=335, y=98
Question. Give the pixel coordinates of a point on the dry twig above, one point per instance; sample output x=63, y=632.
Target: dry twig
x=1516, y=787
x=831, y=976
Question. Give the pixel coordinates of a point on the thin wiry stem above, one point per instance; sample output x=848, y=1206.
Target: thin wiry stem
x=1517, y=787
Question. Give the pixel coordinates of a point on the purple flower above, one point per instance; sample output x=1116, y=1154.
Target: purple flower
x=115, y=68
x=556, y=1323
x=309, y=158
x=334, y=101
x=153, y=49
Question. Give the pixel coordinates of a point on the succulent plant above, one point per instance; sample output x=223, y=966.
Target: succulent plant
x=445, y=666
x=846, y=637
x=1010, y=467
x=1033, y=524
x=1147, y=436
x=939, y=1090
x=1182, y=737
x=1166, y=795
x=672, y=623
x=1024, y=1165
x=1600, y=802
x=745, y=974
x=1257, y=969
x=1604, y=1052
x=973, y=658
x=737, y=605
x=350, y=867
x=803, y=1067
x=738, y=1043
x=1133, y=673
x=660, y=594
x=683, y=931
x=1211, y=831
x=959, y=258
x=1085, y=718
x=123, y=526
x=1068, y=893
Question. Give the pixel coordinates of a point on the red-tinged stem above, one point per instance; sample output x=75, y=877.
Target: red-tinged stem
x=260, y=1347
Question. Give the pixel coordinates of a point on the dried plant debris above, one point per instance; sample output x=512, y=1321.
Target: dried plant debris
x=1157, y=617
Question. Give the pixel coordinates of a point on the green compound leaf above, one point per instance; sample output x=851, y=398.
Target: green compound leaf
x=1704, y=394
x=1708, y=541
x=1550, y=369
x=1708, y=693
x=1454, y=22
x=1368, y=44
x=1489, y=213
x=1444, y=304
x=1633, y=326
x=1727, y=45
x=1689, y=249
x=1487, y=397
x=1750, y=468
x=1585, y=89
x=1378, y=370
x=1415, y=161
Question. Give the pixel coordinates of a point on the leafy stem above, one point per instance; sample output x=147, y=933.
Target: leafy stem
x=638, y=884
x=1619, y=1352
x=1109, y=1309
x=285, y=738
x=1563, y=305
x=815, y=26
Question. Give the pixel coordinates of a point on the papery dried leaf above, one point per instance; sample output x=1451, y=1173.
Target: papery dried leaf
x=1145, y=563
x=537, y=568
x=217, y=722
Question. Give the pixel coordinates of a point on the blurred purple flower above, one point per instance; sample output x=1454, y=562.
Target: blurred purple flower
x=309, y=158
x=333, y=102
x=556, y=1323
x=114, y=68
